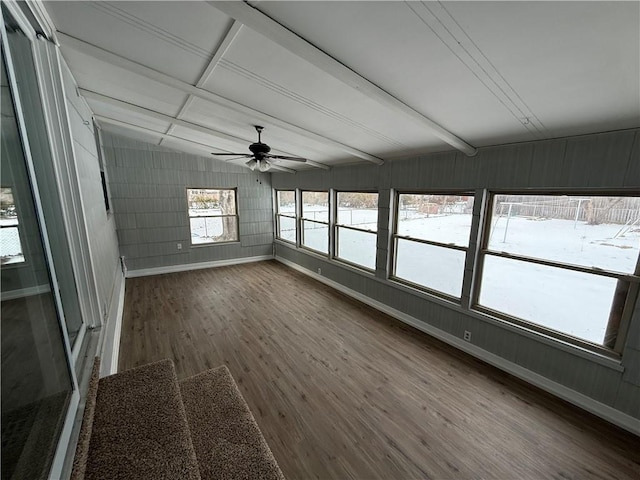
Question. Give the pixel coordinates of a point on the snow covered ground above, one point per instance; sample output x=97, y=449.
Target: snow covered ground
x=571, y=302
x=10, y=246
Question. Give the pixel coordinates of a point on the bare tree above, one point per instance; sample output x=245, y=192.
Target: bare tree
x=228, y=207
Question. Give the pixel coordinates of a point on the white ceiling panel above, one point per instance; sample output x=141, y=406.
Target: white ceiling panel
x=395, y=46
x=475, y=67
x=488, y=72
x=117, y=113
x=127, y=132
x=263, y=74
x=575, y=64
x=95, y=75
x=176, y=38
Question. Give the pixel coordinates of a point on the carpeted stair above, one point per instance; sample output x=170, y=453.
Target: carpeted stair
x=143, y=424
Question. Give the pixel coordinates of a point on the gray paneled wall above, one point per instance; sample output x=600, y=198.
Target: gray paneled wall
x=149, y=193
x=100, y=226
x=601, y=161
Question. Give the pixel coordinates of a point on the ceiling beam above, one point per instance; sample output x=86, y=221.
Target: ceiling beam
x=192, y=143
x=220, y=51
x=151, y=74
x=274, y=31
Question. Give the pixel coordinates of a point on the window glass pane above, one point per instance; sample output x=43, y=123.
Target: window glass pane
x=287, y=228
x=10, y=245
x=438, y=268
x=213, y=229
x=286, y=202
x=36, y=383
x=575, y=303
x=439, y=218
x=204, y=202
x=583, y=230
x=358, y=209
x=315, y=206
x=356, y=247
x=316, y=236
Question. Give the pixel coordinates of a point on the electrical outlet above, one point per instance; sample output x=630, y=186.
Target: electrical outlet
x=319, y=271
x=179, y=245
x=467, y=335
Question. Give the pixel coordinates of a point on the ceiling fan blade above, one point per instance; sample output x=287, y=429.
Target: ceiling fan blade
x=236, y=158
x=291, y=159
x=227, y=154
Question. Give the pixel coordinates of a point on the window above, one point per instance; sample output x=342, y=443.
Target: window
x=286, y=215
x=213, y=215
x=10, y=245
x=430, y=240
x=561, y=262
x=315, y=221
x=356, y=227
x=103, y=173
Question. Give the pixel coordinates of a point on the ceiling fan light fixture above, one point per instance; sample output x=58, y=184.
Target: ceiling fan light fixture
x=252, y=164
x=264, y=166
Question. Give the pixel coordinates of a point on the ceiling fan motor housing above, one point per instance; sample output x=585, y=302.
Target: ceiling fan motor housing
x=259, y=149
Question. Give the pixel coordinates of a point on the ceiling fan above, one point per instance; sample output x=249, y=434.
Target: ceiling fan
x=260, y=156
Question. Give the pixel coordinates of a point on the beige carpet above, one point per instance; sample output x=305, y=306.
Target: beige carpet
x=82, y=448
x=226, y=437
x=140, y=428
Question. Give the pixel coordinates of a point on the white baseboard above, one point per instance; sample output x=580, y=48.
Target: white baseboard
x=113, y=328
x=118, y=329
x=606, y=412
x=143, y=272
x=25, y=292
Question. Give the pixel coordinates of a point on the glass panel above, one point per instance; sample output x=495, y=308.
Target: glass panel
x=356, y=247
x=287, y=228
x=591, y=231
x=358, y=209
x=206, y=202
x=437, y=268
x=439, y=218
x=315, y=236
x=43, y=163
x=287, y=202
x=571, y=302
x=213, y=229
x=36, y=384
x=10, y=244
x=315, y=206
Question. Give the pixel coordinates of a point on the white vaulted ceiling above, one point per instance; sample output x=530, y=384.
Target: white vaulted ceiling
x=346, y=82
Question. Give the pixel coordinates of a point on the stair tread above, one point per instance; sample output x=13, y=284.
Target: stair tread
x=140, y=427
x=226, y=438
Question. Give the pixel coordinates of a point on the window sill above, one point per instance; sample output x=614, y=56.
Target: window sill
x=289, y=243
x=213, y=244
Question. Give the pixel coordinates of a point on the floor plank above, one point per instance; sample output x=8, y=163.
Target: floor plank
x=342, y=391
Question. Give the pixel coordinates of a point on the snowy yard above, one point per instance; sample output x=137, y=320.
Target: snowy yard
x=572, y=302
x=10, y=245
x=207, y=229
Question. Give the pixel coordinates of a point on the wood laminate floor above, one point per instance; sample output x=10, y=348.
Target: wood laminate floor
x=343, y=391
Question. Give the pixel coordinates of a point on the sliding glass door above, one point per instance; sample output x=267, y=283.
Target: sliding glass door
x=39, y=395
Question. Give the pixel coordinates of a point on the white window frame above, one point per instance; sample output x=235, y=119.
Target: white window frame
x=628, y=300
x=236, y=216
x=293, y=216
x=395, y=237
x=337, y=226
x=303, y=218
